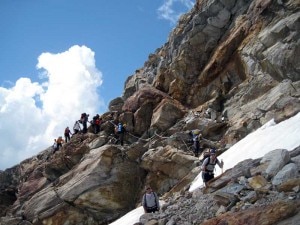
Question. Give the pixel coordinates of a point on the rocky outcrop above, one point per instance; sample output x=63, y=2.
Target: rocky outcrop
x=166, y=166
x=228, y=67
x=225, y=55
x=241, y=195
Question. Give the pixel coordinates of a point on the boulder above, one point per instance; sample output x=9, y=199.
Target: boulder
x=260, y=215
x=276, y=159
x=116, y=104
x=289, y=171
x=166, y=115
x=167, y=166
x=94, y=185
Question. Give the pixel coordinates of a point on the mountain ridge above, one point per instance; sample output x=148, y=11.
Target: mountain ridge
x=228, y=67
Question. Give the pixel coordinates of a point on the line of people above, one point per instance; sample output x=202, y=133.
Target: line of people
x=150, y=200
x=96, y=126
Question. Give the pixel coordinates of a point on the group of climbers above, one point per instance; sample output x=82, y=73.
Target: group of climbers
x=119, y=130
x=150, y=200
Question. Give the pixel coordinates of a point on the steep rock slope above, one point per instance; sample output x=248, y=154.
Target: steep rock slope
x=227, y=68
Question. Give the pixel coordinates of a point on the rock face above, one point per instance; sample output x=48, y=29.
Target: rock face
x=228, y=67
x=241, y=195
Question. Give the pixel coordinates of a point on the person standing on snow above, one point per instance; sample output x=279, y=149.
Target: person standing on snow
x=150, y=201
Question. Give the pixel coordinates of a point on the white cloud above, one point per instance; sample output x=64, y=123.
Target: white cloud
x=171, y=10
x=32, y=114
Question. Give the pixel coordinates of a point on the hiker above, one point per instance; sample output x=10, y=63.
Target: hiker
x=67, y=134
x=55, y=146
x=120, y=131
x=196, y=135
x=150, y=201
x=59, y=142
x=76, y=127
x=96, y=122
x=84, y=119
x=208, y=166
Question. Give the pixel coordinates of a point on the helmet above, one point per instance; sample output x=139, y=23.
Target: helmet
x=213, y=151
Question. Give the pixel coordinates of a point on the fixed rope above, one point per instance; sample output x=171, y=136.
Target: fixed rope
x=150, y=139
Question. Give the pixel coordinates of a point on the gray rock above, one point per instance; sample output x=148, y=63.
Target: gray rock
x=287, y=172
x=276, y=159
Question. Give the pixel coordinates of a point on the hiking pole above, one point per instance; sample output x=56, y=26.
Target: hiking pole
x=185, y=144
x=222, y=162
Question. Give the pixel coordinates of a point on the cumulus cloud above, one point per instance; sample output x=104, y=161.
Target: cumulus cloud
x=33, y=114
x=171, y=10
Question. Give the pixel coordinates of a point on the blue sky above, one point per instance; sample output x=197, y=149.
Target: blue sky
x=59, y=58
x=121, y=33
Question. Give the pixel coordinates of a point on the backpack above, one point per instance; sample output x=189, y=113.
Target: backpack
x=97, y=122
x=206, y=155
x=208, y=161
x=54, y=146
x=120, y=128
x=155, y=196
x=195, y=138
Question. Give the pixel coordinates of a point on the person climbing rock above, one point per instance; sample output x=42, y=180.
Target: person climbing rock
x=208, y=166
x=196, y=137
x=120, y=132
x=96, y=122
x=67, y=134
x=84, y=119
x=59, y=142
x=76, y=127
x=54, y=146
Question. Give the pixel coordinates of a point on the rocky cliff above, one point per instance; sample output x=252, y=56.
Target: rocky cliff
x=228, y=67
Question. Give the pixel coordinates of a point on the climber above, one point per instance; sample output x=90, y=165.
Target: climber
x=84, y=119
x=55, y=146
x=67, y=134
x=76, y=127
x=208, y=166
x=196, y=135
x=150, y=201
x=120, y=132
x=59, y=142
x=96, y=122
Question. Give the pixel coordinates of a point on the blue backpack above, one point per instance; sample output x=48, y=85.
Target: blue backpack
x=120, y=128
